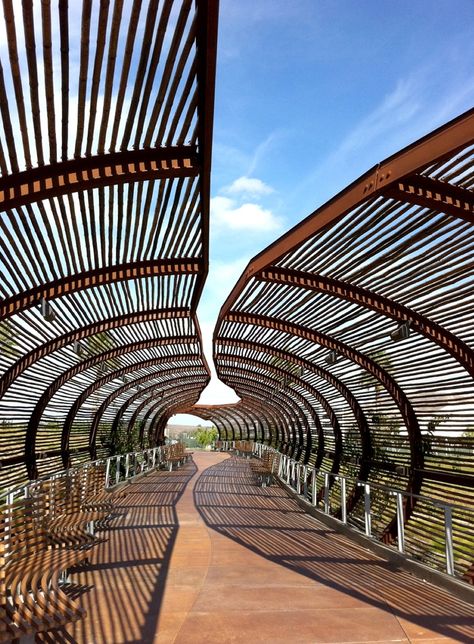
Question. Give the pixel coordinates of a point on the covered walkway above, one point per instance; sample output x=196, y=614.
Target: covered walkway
x=204, y=555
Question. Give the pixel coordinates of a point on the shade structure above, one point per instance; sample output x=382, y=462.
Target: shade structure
x=351, y=336
x=105, y=147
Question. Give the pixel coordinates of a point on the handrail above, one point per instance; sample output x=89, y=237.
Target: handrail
x=303, y=479
x=118, y=468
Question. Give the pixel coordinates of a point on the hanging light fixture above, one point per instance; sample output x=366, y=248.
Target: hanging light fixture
x=78, y=348
x=401, y=333
x=46, y=310
x=331, y=357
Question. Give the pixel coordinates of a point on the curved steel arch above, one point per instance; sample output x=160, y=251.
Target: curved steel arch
x=121, y=372
x=386, y=177
x=84, y=218
x=281, y=372
x=453, y=345
x=80, y=174
x=366, y=363
x=111, y=397
x=170, y=392
x=345, y=392
x=215, y=411
x=30, y=453
x=315, y=393
x=79, y=334
x=159, y=422
x=94, y=360
x=274, y=401
x=402, y=230
x=98, y=277
x=295, y=417
x=130, y=401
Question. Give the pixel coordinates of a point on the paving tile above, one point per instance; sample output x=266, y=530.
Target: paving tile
x=427, y=628
x=325, y=625
x=279, y=597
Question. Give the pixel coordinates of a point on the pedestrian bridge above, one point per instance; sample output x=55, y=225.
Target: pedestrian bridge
x=204, y=554
x=349, y=342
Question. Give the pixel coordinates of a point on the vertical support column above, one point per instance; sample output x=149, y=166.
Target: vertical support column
x=117, y=469
x=298, y=478
x=127, y=465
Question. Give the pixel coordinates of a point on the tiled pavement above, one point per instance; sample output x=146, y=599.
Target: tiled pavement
x=203, y=555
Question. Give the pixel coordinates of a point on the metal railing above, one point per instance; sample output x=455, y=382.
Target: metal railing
x=438, y=533
x=118, y=468
x=224, y=446
x=122, y=467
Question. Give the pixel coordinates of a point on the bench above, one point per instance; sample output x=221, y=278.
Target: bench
x=65, y=519
x=266, y=467
x=244, y=448
x=32, y=571
x=175, y=454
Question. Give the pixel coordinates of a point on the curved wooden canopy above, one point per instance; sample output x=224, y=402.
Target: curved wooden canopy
x=375, y=289
x=106, y=116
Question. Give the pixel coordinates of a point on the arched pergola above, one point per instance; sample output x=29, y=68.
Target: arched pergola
x=106, y=114
x=371, y=297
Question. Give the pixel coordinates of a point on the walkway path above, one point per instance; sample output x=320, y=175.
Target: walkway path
x=206, y=556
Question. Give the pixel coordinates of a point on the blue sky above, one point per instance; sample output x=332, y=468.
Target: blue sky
x=309, y=95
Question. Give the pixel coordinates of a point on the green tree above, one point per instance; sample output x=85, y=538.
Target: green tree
x=291, y=368
x=206, y=435
x=122, y=442
x=427, y=438
x=8, y=344
x=100, y=343
x=387, y=424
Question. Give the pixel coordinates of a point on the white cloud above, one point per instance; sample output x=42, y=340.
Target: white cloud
x=247, y=216
x=249, y=187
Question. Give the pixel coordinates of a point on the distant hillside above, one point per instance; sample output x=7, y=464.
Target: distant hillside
x=173, y=431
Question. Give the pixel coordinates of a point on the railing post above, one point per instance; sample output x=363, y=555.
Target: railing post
x=127, y=465
x=298, y=478
x=107, y=473
x=343, y=499
x=326, y=492
x=305, y=481
x=448, y=533
x=117, y=470
x=368, y=518
x=314, y=488
x=400, y=522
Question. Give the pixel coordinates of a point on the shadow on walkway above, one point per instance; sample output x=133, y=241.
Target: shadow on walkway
x=270, y=523
x=122, y=586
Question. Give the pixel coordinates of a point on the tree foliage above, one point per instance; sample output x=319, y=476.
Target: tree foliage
x=8, y=340
x=206, y=435
x=100, y=343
